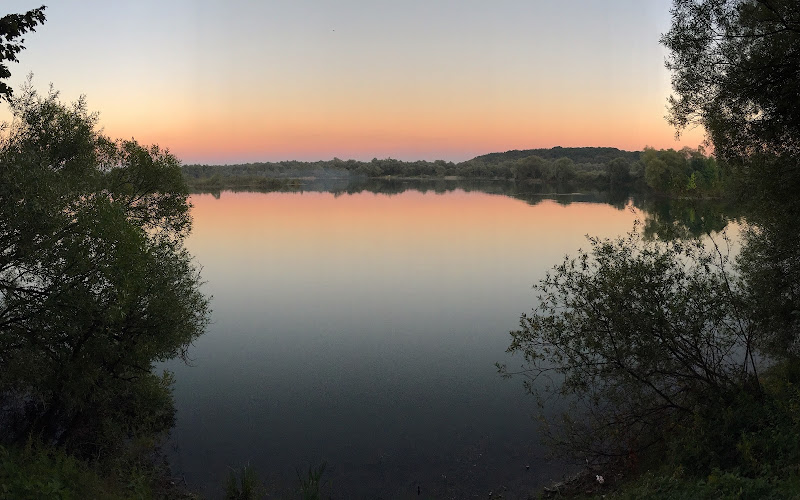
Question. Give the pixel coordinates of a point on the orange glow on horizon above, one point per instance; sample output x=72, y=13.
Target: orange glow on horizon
x=423, y=143
x=412, y=126
x=280, y=83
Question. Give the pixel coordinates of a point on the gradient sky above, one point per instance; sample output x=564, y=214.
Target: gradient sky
x=227, y=81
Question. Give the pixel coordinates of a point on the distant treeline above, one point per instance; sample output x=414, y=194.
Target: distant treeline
x=686, y=172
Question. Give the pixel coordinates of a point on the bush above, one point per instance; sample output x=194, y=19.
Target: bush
x=641, y=337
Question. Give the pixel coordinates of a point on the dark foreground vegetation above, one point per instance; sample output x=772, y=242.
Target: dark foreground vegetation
x=95, y=287
x=679, y=360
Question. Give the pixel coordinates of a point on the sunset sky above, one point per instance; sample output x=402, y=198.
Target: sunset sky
x=242, y=81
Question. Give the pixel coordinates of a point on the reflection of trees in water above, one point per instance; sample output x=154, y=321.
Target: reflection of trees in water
x=667, y=219
x=770, y=259
x=770, y=267
x=657, y=332
x=663, y=218
x=671, y=349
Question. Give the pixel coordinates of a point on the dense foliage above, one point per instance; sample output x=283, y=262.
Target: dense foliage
x=684, y=173
x=638, y=335
x=543, y=165
x=679, y=362
x=13, y=26
x=95, y=284
x=736, y=71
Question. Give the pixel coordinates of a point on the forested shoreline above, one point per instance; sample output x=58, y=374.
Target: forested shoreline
x=682, y=173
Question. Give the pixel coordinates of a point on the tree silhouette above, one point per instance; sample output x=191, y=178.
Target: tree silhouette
x=13, y=26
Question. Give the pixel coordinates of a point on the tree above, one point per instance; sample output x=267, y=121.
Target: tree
x=676, y=172
x=95, y=284
x=669, y=343
x=529, y=168
x=736, y=71
x=13, y=26
x=657, y=174
x=639, y=336
x=564, y=170
x=618, y=171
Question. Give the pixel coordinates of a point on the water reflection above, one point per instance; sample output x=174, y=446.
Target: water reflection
x=362, y=329
x=663, y=218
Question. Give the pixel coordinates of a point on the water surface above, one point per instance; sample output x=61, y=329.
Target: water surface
x=362, y=330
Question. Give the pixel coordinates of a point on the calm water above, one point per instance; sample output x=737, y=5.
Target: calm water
x=362, y=330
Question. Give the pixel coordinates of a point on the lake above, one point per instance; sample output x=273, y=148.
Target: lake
x=362, y=330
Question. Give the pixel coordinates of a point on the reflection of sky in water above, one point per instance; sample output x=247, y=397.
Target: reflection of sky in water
x=362, y=330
